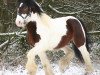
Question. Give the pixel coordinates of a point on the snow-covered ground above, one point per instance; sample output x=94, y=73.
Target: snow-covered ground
x=74, y=69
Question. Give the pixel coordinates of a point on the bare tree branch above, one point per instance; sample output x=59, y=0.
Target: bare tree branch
x=3, y=44
x=5, y=2
x=13, y=33
x=64, y=13
x=94, y=32
x=42, y=1
x=20, y=34
x=70, y=13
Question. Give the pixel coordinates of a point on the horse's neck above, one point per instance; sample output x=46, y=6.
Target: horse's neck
x=45, y=19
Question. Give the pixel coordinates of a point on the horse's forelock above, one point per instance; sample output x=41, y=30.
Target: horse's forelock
x=27, y=2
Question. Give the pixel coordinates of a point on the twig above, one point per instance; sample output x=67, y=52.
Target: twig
x=94, y=32
x=64, y=13
x=13, y=33
x=42, y=1
x=89, y=12
x=3, y=44
x=5, y=2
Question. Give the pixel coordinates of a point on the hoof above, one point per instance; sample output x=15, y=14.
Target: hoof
x=89, y=73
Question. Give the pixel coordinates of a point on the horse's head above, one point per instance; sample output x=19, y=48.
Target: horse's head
x=25, y=11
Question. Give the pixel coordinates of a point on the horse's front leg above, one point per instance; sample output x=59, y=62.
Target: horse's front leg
x=46, y=63
x=31, y=66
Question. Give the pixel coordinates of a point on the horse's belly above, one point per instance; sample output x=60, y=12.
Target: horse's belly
x=54, y=41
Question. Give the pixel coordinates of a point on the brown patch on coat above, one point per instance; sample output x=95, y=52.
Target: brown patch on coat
x=66, y=38
x=32, y=36
x=74, y=33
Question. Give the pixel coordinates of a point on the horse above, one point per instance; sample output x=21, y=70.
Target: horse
x=47, y=33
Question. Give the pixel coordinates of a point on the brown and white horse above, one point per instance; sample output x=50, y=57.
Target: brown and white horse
x=46, y=33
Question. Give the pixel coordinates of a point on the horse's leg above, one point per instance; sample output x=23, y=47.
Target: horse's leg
x=46, y=63
x=80, y=40
x=86, y=57
x=66, y=59
x=31, y=66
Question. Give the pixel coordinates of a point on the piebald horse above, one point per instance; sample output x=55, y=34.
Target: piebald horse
x=46, y=33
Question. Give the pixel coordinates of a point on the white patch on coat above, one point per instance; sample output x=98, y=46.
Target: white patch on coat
x=86, y=57
x=20, y=4
x=20, y=21
x=24, y=15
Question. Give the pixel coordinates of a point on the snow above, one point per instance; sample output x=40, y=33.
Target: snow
x=74, y=69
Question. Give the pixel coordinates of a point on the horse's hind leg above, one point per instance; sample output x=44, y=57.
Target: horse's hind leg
x=31, y=66
x=66, y=59
x=80, y=40
x=86, y=57
x=46, y=63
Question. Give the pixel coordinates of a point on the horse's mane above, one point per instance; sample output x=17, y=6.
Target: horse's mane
x=35, y=7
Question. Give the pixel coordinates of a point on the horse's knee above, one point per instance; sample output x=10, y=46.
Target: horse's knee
x=31, y=54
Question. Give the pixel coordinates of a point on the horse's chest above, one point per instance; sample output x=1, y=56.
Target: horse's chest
x=51, y=35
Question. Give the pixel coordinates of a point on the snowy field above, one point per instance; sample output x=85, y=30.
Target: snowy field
x=74, y=69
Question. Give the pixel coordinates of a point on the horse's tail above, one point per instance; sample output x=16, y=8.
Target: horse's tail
x=77, y=53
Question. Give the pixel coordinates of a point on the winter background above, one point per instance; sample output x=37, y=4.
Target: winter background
x=14, y=46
